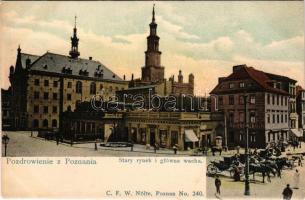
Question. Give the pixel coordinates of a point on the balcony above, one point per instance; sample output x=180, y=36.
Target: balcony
x=241, y=125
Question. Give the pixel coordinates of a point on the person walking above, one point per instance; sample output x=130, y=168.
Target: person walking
x=175, y=149
x=217, y=184
x=296, y=179
x=287, y=193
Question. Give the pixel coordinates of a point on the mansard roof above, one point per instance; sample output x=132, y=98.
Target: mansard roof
x=263, y=79
x=56, y=63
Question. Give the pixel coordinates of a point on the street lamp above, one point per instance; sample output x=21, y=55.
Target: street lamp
x=247, y=185
x=5, y=140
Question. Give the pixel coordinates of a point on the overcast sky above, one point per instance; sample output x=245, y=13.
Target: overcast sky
x=203, y=38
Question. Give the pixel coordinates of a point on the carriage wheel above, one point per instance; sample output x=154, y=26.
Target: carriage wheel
x=212, y=170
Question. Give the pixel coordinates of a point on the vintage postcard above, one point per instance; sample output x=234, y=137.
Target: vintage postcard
x=152, y=99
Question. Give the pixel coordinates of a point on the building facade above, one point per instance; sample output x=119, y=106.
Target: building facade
x=300, y=100
x=166, y=129
x=45, y=86
x=267, y=106
x=6, y=96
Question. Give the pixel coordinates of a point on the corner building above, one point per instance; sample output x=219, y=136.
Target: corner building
x=270, y=112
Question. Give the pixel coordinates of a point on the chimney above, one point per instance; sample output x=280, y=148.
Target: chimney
x=238, y=67
x=90, y=58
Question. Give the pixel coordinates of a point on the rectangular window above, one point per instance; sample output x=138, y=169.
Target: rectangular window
x=231, y=85
x=220, y=100
x=69, y=97
x=54, y=110
x=36, y=109
x=36, y=95
x=55, y=83
x=231, y=100
x=252, y=99
x=69, y=84
x=241, y=117
x=46, y=82
x=268, y=98
x=273, y=118
x=241, y=99
x=268, y=118
x=55, y=96
x=46, y=95
x=277, y=100
x=36, y=82
x=252, y=117
x=282, y=100
x=273, y=99
x=286, y=118
x=278, y=118
x=282, y=118
x=45, y=109
x=285, y=101
x=241, y=84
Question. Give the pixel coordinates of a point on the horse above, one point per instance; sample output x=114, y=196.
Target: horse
x=261, y=168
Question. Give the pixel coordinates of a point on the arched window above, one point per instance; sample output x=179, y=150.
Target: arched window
x=54, y=123
x=45, y=123
x=35, y=123
x=78, y=87
x=92, y=88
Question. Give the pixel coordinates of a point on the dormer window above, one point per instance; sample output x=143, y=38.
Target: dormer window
x=45, y=66
x=231, y=85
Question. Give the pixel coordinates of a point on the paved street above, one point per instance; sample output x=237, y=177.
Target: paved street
x=22, y=144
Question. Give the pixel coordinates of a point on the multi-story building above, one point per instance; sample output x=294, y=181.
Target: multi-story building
x=268, y=109
x=153, y=72
x=45, y=86
x=6, y=108
x=301, y=109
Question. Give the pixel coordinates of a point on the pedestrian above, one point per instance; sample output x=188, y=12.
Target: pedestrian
x=296, y=179
x=287, y=193
x=236, y=174
x=217, y=184
x=300, y=162
x=155, y=147
x=175, y=149
x=131, y=144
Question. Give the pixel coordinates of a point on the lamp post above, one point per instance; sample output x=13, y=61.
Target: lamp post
x=5, y=140
x=247, y=185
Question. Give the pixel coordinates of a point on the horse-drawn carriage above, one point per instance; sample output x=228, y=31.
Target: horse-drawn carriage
x=228, y=164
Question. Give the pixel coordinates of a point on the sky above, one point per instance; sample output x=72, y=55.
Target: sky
x=203, y=38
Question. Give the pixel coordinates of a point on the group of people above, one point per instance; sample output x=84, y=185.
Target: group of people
x=287, y=192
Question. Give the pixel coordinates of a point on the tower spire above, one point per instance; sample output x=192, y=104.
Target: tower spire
x=153, y=14
x=75, y=21
x=74, y=53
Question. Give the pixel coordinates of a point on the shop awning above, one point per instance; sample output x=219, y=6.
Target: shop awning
x=190, y=136
x=297, y=133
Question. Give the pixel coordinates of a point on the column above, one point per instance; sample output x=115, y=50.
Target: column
x=147, y=136
x=168, y=142
x=181, y=138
